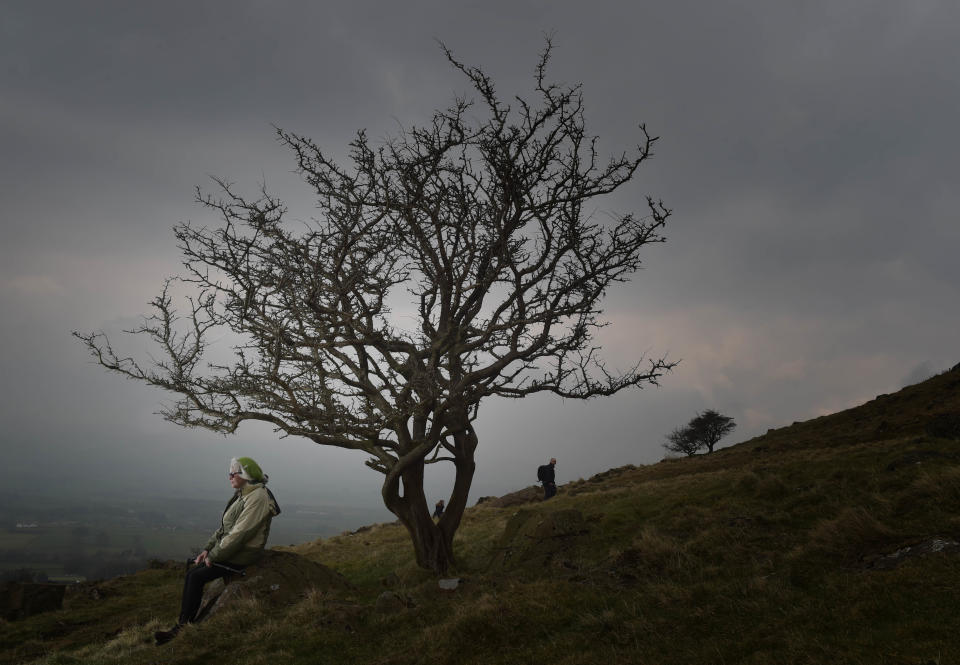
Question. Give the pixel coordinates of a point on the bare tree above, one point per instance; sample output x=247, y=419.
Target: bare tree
x=478, y=217
x=680, y=440
x=703, y=431
x=711, y=426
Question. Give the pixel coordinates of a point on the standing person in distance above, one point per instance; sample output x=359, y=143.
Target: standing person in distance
x=545, y=474
x=239, y=542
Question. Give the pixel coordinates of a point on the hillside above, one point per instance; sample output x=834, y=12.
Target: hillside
x=835, y=540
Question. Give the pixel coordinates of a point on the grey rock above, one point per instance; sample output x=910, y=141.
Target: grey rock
x=280, y=578
x=450, y=584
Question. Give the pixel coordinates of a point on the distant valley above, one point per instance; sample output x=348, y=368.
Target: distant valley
x=46, y=538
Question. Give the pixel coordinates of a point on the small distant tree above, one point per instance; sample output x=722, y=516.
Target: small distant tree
x=704, y=431
x=710, y=426
x=680, y=441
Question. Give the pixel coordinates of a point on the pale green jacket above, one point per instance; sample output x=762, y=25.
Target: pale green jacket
x=245, y=526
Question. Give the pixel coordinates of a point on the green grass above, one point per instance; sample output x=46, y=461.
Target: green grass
x=762, y=552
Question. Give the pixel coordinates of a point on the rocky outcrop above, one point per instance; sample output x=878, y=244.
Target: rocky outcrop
x=280, y=578
x=932, y=545
x=518, y=498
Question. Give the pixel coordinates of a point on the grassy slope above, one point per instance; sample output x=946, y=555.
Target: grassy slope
x=763, y=552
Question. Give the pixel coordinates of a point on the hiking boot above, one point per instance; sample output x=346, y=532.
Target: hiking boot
x=164, y=636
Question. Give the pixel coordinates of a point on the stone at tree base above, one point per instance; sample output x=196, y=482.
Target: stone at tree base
x=280, y=578
x=450, y=584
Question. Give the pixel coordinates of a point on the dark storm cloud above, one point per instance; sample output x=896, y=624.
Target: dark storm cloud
x=807, y=149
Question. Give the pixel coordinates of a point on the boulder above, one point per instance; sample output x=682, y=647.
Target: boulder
x=280, y=578
x=450, y=584
x=932, y=545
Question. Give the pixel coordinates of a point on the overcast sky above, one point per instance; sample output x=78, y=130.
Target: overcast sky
x=808, y=151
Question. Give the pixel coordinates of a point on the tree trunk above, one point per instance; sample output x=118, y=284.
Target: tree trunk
x=465, y=443
x=432, y=541
x=432, y=546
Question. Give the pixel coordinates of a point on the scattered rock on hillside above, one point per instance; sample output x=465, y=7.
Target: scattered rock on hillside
x=280, y=578
x=930, y=546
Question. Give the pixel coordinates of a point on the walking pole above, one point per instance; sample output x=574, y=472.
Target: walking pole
x=229, y=569
x=235, y=571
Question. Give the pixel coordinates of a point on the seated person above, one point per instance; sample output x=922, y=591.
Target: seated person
x=238, y=542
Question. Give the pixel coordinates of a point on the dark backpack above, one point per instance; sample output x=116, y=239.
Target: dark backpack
x=542, y=472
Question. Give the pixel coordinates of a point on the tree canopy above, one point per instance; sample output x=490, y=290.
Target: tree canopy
x=475, y=224
x=703, y=431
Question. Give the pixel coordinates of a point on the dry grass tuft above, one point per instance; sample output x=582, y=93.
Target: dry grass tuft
x=940, y=484
x=853, y=529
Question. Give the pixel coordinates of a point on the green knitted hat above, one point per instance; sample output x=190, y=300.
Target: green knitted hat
x=248, y=469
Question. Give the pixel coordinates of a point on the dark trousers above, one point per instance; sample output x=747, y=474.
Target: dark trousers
x=549, y=490
x=193, y=584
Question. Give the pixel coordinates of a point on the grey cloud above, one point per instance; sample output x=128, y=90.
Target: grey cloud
x=808, y=152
